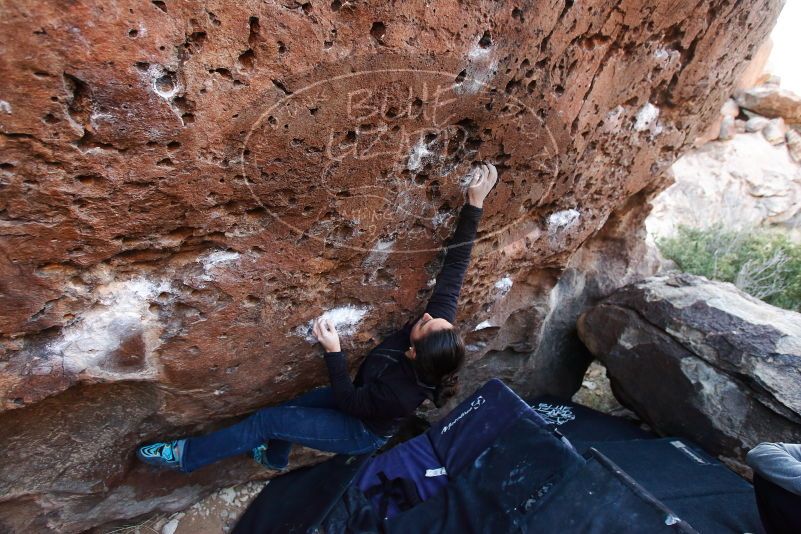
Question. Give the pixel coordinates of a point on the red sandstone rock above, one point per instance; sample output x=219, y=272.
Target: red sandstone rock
x=186, y=185
x=754, y=74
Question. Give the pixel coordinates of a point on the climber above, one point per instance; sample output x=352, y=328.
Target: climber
x=777, y=484
x=417, y=362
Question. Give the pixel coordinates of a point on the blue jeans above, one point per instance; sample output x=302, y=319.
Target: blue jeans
x=312, y=420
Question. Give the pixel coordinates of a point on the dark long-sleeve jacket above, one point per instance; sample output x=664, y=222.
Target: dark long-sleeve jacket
x=386, y=388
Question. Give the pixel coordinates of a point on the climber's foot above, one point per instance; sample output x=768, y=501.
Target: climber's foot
x=165, y=455
x=260, y=455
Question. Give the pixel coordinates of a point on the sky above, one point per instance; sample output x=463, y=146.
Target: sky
x=784, y=60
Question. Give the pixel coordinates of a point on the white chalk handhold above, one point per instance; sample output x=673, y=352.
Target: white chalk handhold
x=345, y=320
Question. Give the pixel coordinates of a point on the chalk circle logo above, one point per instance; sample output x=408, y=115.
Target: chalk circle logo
x=379, y=160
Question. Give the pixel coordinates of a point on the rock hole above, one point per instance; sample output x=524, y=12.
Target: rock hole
x=247, y=59
x=307, y=7
x=161, y=5
x=378, y=30
x=173, y=145
x=460, y=77
x=282, y=87
x=225, y=73
x=142, y=66
x=89, y=179
x=165, y=83
x=559, y=90
x=79, y=100
x=132, y=33
x=256, y=213
x=281, y=47
x=50, y=119
x=486, y=40
x=336, y=5
x=511, y=86
x=255, y=30
x=517, y=13
x=195, y=39
x=272, y=120
x=473, y=143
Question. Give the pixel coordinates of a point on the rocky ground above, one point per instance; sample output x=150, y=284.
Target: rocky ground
x=596, y=391
x=215, y=514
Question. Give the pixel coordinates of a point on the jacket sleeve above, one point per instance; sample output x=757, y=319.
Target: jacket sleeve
x=779, y=463
x=375, y=400
x=449, y=282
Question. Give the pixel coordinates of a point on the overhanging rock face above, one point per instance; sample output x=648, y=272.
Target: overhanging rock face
x=187, y=184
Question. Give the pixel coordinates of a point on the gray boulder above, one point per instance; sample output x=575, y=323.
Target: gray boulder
x=701, y=359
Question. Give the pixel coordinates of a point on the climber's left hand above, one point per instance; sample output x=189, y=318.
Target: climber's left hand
x=326, y=334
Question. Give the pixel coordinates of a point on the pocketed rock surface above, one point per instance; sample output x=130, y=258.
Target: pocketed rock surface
x=185, y=185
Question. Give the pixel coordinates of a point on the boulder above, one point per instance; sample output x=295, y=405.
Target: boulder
x=794, y=144
x=727, y=128
x=701, y=359
x=774, y=131
x=772, y=101
x=756, y=124
x=186, y=185
x=730, y=108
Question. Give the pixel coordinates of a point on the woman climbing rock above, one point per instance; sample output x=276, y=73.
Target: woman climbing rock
x=359, y=416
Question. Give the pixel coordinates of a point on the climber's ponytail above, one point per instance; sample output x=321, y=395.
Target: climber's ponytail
x=438, y=357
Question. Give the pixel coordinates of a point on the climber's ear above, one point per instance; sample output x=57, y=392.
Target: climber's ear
x=411, y=353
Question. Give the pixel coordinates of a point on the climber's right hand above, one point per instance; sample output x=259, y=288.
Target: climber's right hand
x=326, y=334
x=484, y=178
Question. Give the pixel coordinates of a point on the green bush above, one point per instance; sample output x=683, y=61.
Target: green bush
x=762, y=262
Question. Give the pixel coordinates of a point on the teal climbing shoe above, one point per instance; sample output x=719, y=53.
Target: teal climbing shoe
x=165, y=455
